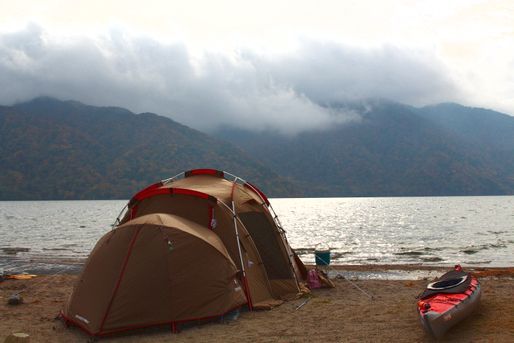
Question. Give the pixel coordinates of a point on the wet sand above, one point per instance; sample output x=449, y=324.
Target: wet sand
x=330, y=315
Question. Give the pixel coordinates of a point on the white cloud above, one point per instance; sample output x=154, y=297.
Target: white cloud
x=331, y=72
x=288, y=92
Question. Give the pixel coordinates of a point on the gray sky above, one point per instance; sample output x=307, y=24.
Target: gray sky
x=264, y=64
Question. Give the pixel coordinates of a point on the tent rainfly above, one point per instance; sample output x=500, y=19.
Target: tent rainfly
x=196, y=245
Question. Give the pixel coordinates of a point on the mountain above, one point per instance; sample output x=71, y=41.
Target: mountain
x=51, y=149
x=478, y=126
x=486, y=132
x=394, y=150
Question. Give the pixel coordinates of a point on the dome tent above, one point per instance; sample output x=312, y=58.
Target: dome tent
x=158, y=269
x=142, y=273
x=241, y=215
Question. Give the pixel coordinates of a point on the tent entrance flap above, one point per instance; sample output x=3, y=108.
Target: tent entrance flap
x=266, y=240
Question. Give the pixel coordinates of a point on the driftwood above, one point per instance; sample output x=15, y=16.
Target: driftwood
x=17, y=337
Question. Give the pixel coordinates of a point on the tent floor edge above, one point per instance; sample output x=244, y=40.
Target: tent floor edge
x=174, y=326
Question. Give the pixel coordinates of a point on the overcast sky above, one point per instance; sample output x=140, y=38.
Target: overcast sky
x=260, y=64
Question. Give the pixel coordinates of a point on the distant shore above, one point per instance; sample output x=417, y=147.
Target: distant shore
x=330, y=315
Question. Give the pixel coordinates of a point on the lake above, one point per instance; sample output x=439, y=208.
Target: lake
x=476, y=231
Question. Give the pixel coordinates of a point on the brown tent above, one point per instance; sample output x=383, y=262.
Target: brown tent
x=191, y=247
x=153, y=270
x=241, y=215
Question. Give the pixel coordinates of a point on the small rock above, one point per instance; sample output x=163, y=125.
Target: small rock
x=15, y=299
x=17, y=337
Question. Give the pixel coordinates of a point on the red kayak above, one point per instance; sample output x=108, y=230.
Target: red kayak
x=444, y=303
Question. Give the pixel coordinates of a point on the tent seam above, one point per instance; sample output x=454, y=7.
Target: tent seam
x=118, y=283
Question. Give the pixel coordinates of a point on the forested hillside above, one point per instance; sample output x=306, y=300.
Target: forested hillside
x=51, y=149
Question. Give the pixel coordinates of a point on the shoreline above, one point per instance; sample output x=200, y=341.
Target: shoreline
x=476, y=270
x=331, y=315
x=73, y=267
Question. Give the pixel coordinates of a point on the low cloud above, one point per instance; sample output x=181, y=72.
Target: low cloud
x=286, y=92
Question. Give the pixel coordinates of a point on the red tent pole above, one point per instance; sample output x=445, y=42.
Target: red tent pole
x=120, y=277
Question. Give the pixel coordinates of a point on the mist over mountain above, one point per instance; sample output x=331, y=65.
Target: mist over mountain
x=395, y=150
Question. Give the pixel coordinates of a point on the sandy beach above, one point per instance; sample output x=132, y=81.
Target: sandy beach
x=330, y=315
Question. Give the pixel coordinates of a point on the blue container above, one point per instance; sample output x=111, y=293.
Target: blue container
x=322, y=257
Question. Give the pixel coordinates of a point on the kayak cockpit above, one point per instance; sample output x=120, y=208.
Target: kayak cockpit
x=448, y=283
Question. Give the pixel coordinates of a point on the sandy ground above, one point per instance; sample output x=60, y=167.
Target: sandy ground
x=331, y=315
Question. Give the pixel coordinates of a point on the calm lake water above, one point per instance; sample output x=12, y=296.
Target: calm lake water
x=478, y=231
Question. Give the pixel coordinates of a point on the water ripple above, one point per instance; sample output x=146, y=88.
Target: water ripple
x=427, y=230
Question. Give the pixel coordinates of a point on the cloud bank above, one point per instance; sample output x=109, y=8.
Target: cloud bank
x=289, y=92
